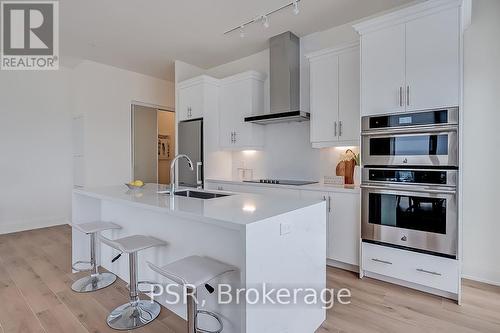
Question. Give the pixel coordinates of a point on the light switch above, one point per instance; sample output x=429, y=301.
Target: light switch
x=285, y=228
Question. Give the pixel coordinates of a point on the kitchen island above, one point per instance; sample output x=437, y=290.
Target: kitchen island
x=271, y=239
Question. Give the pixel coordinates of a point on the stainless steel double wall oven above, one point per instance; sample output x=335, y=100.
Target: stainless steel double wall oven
x=409, y=180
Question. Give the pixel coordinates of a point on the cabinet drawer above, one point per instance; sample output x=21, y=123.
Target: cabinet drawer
x=427, y=270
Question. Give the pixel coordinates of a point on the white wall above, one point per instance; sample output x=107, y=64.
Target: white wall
x=288, y=152
x=481, y=144
x=35, y=149
x=36, y=125
x=103, y=95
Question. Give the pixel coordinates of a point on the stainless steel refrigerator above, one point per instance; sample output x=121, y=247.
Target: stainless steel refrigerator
x=191, y=143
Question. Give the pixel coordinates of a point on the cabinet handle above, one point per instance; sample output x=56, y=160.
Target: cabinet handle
x=408, y=95
x=382, y=261
x=400, y=96
x=199, y=181
x=421, y=270
x=329, y=204
x=335, y=132
x=340, y=128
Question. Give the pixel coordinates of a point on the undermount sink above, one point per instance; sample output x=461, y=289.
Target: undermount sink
x=199, y=194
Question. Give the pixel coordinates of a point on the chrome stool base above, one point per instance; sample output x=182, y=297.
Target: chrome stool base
x=133, y=315
x=92, y=283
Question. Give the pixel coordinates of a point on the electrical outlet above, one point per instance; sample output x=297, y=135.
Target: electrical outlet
x=285, y=228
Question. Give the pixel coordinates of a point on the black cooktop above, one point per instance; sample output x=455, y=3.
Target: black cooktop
x=282, y=182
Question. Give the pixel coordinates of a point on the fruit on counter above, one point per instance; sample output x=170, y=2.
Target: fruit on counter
x=137, y=183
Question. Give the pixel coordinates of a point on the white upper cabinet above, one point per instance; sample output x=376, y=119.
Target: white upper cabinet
x=410, y=59
x=433, y=61
x=193, y=97
x=383, y=70
x=349, y=108
x=324, y=98
x=241, y=96
x=334, y=89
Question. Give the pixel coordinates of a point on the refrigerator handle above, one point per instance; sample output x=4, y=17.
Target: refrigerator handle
x=199, y=181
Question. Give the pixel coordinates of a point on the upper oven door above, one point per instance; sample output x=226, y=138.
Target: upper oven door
x=423, y=146
x=411, y=216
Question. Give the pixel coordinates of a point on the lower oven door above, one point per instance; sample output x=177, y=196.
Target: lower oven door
x=414, y=217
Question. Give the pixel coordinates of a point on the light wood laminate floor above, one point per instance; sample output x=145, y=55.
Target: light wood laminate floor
x=35, y=296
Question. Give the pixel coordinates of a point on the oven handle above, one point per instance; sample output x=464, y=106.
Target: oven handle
x=412, y=130
x=409, y=189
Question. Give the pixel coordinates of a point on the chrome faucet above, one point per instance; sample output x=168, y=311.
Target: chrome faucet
x=172, y=170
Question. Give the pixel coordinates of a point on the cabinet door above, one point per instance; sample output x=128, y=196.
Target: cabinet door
x=237, y=101
x=191, y=102
x=349, y=96
x=316, y=195
x=345, y=231
x=383, y=71
x=228, y=117
x=324, y=99
x=432, y=61
x=184, y=101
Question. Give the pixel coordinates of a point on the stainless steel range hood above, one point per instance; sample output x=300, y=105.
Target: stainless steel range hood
x=284, y=82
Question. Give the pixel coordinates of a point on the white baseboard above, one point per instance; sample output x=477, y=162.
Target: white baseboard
x=477, y=279
x=7, y=228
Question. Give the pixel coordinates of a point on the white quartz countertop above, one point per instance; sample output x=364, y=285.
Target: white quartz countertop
x=311, y=187
x=234, y=211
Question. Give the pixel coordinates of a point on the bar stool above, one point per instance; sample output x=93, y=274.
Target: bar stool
x=191, y=273
x=96, y=280
x=137, y=312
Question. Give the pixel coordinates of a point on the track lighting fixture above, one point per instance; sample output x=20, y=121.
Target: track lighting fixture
x=264, y=19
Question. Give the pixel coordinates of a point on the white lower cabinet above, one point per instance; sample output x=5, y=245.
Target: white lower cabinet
x=317, y=195
x=343, y=228
x=422, y=269
x=345, y=232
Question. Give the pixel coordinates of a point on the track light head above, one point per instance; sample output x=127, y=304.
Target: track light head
x=242, y=31
x=296, y=9
x=265, y=21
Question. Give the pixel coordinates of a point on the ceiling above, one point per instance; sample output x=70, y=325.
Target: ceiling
x=147, y=36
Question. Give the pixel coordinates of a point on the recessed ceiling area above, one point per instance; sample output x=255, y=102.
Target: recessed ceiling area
x=147, y=36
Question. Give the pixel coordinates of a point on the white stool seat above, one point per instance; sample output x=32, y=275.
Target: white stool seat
x=97, y=226
x=131, y=244
x=193, y=270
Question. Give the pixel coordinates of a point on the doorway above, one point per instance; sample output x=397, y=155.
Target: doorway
x=153, y=143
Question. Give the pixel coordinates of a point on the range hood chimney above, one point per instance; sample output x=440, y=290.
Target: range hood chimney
x=284, y=81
